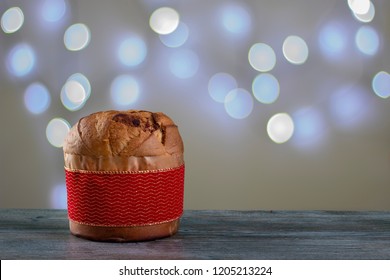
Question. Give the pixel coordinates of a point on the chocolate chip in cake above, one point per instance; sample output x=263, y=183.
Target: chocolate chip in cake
x=127, y=120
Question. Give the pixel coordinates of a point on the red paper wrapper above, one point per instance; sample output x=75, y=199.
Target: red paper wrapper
x=125, y=198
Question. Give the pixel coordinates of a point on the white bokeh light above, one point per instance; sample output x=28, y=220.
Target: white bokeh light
x=75, y=92
x=381, y=84
x=220, y=84
x=164, y=20
x=56, y=131
x=280, y=128
x=295, y=50
x=238, y=103
x=36, y=98
x=83, y=80
x=124, y=90
x=262, y=57
x=77, y=37
x=12, y=20
x=73, y=95
x=367, y=17
x=359, y=6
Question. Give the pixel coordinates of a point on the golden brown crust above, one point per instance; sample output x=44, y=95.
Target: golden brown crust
x=124, y=134
x=124, y=234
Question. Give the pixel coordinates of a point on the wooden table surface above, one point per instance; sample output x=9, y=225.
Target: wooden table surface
x=44, y=234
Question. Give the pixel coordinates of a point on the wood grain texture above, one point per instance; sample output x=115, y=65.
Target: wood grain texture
x=44, y=234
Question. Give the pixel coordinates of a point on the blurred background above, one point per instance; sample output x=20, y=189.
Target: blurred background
x=281, y=104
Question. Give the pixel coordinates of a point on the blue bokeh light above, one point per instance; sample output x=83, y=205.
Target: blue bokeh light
x=381, y=84
x=220, y=85
x=21, y=60
x=310, y=129
x=53, y=10
x=333, y=40
x=349, y=106
x=132, y=51
x=58, y=197
x=235, y=19
x=184, y=63
x=265, y=88
x=367, y=40
x=125, y=90
x=177, y=38
x=37, y=98
x=239, y=103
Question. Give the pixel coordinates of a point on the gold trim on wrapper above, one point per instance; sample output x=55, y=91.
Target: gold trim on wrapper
x=123, y=172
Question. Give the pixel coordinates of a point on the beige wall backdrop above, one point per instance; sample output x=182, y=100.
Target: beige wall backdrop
x=338, y=157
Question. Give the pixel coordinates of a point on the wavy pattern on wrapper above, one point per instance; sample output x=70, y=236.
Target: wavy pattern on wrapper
x=125, y=199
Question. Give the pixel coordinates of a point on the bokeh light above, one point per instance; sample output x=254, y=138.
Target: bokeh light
x=262, y=57
x=21, y=60
x=349, y=106
x=75, y=92
x=367, y=17
x=53, y=10
x=132, y=51
x=73, y=95
x=77, y=37
x=265, y=88
x=12, y=20
x=125, y=90
x=184, y=63
x=58, y=197
x=333, y=40
x=359, y=6
x=295, y=50
x=177, y=38
x=164, y=20
x=220, y=84
x=238, y=103
x=78, y=77
x=280, y=128
x=56, y=131
x=367, y=40
x=235, y=19
x=36, y=98
x=381, y=84
x=309, y=127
